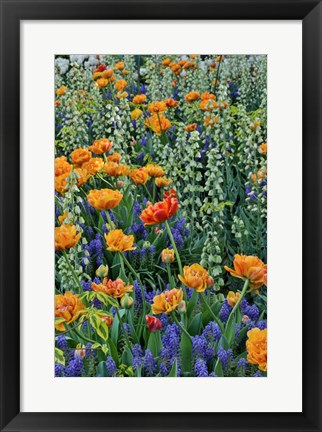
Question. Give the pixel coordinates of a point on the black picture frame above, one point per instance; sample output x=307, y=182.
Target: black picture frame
x=12, y=12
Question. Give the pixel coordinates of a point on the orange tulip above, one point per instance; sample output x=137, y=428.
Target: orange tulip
x=167, y=301
x=191, y=127
x=116, y=289
x=192, y=96
x=157, y=107
x=162, y=182
x=158, y=124
x=101, y=146
x=139, y=99
x=160, y=211
x=251, y=268
x=107, y=74
x=261, y=174
x=83, y=176
x=263, y=148
x=139, y=176
x=104, y=199
x=117, y=241
x=154, y=170
x=69, y=307
x=80, y=156
x=93, y=166
x=256, y=346
x=232, y=298
x=166, y=61
x=136, y=114
x=195, y=277
x=101, y=82
x=62, y=166
x=211, y=121
x=66, y=237
x=171, y=103
x=116, y=170
x=61, y=183
x=61, y=90
x=120, y=85
x=115, y=157
x=167, y=255
x=119, y=65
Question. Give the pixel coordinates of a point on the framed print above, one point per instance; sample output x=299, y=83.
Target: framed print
x=160, y=205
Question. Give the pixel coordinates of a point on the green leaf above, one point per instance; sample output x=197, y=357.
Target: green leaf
x=192, y=302
x=195, y=326
x=105, y=349
x=127, y=357
x=218, y=369
x=186, y=350
x=174, y=369
x=154, y=343
x=101, y=369
x=230, y=331
x=113, y=352
x=59, y=356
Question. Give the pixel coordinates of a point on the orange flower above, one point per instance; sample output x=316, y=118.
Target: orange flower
x=66, y=237
x=116, y=170
x=171, y=103
x=107, y=74
x=182, y=62
x=176, y=68
x=62, y=217
x=154, y=170
x=192, y=96
x=115, y=157
x=158, y=125
x=191, y=127
x=83, y=176
x=116, y=289
x=80, y=156
x=251, y=268
x=120, y=85
x=96, y=75
x=167, y=255
x=162, y=182
x=189, y=65
x=101, y=82
x=157, y=107
x=160, y=211
x=117, y=241
x=263, y=148
x=104, y=199
x=119, y=65
x=69, y=307
x=139, y=176
x=57, y=102
x=207, y=105
x=62, y=166
x=108, y=320
x=232, y=298
x=93, y=166
x=139, y=99
x=166, y=61
x=170, y=193
x=256, y=346
x=256, y=124
x=261, y=174
x=61, y=183
x=167, y=301
x=207, y=96
x=211, y=121
x=122, y=95
x=100, y=146
x=136, y=114
x=196, y=277
x=61, y=90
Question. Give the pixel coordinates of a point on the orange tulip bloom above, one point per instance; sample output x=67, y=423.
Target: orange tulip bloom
x=139, y=176
x=62, y=166
x=116, y=170
x=171, y=103
x=167, y=255
x=162, y=182
x=160, y=211
x=211, y=121
x=167, y=301
x=154, y=170
x=115, y=157
x=107, y=74
x=166, y=61
x=93, y=166
x=119, y=65
x=83, y=176
x=66, y=237
x=104, y=199
x=157, y=107
x=80, y=156
x=122, y=95
x=191, y=127
x=192, y=96
x=207, y=96
x=256, y=346
x=251, y=268
x=117, y=241
x=116, y=289
x=120, y=85
x=139, y=99
x=261, y=174
x=196, y=277
x=207, y=105
x=170, y=193
x=232, y=298
x=101, y=146
x=61, y=90
x=136, y=114
x=69, y=307
x=263, y=148
x=101, y=82
x=158, y=124
x=61, y=183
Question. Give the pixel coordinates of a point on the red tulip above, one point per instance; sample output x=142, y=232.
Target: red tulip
x=154, y=324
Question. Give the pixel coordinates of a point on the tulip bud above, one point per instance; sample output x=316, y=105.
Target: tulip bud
x=245, y=319
x=79, y=351
x=120, y=184
x=146, y=245
x=182, y=308
x=126, y=302
x=167, y=255
x=153, y=323
x=102, y=271
x=158, y=230
x=108, y=320
x=210, y=282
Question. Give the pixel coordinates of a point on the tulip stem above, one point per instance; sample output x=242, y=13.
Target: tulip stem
x=148, y=192
x=72, y=270
x=203, y=299
x=170, y=276
x=237, y=303
x=110, y=222
x=180, y=326
x=124, y=330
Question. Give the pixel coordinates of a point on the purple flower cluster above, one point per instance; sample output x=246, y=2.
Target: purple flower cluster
x=225, y=356
x=111, y=367
x=225, y=311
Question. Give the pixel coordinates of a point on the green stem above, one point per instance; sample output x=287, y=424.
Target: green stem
x=202, y=296
x=72, y=270
x=180, y=326
x=238, y=303
x=170, y=276
x=80, y=335
x=105, y=181
x=110, y=222
x=124, y=330
x=147, y=190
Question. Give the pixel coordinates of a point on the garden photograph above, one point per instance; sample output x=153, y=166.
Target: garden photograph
x=160, y=228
